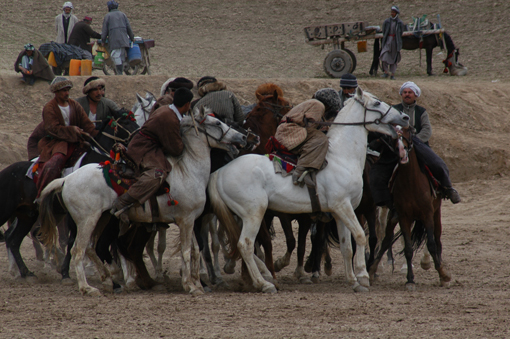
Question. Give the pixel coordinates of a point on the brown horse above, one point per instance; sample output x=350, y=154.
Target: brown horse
x=415, y=201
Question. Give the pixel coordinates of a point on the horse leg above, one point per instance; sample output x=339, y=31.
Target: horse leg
x=14, y=237
x=213, y=270
x=385, y=244
x=405, y=226
x=215, y=244
x=429, y=61
x=186, y=238
x=286, y=223
x=375, y=61
x=304, y=226
x=264, y=238
x=64, y=269
x=436, y=248
x=346, y=218
x=426, y=259
x=161, y=251
x=149, y=249
x=39, y=251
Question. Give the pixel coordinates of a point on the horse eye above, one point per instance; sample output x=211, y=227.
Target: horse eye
x=377, y=103
x=218, y=123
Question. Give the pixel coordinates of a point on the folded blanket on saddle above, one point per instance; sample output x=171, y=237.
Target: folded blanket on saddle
x=72, y=164
x=283, y=160
x=62, y=52
x=120, y=184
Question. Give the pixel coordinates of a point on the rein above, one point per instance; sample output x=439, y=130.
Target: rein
x=276, y=112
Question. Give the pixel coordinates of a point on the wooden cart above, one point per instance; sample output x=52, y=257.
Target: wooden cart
x=142, y=67
x=342, y=60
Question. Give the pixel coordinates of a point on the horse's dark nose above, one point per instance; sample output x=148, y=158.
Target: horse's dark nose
x=405, y=117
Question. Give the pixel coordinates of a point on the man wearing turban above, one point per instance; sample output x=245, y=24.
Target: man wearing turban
x=64, y=23
x=392, y=28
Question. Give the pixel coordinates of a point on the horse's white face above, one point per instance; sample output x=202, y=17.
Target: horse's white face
x=383, y=116
x=143, y=107
x=219, y=134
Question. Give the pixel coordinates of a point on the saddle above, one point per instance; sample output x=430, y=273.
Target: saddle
x=285, y=162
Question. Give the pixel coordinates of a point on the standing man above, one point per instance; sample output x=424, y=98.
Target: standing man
x=382, y=170
x=81, y=34
x=117, y=30
x=65, y=125
x=64, y=23
x=159, y=137
x=94, y=103
x=348, y=85
x=393, y=28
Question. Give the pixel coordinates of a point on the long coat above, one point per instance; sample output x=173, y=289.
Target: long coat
x=81, y=34
x=40, y=67
x=58, y=135
x=159, y=136
x=398, y=33
x=59, y=28
x=116, y=28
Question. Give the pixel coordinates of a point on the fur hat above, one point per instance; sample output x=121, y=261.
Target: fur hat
x=175, y=83
x=412, y=86
x=182, y=96
x=91, y=83
x=206, y=80
x=60, y=83
x=348, y=81
x=329, y=97
x=68, y=4
x=395, y=8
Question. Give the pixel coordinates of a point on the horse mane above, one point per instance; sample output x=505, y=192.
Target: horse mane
x=450, y=46
x=268, y=89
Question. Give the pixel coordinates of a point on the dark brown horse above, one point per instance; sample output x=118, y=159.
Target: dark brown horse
x=415, y=201
x=428, y=42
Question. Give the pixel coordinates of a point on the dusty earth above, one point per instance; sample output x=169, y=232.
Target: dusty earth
x=247, y=43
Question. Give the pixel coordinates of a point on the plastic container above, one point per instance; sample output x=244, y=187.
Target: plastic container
x=98, y=60
x=51, y=60
x=86, y=67
x=74, y=67
x=134, y=55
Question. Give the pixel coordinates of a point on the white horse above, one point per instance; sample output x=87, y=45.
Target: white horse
x=248, y=186
x=87, y=198
x=143, y=107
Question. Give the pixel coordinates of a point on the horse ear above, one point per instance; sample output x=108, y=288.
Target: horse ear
x=359, y=93
x=201, y=111
x=259, y=96
x=275, y=95
x=139, y=98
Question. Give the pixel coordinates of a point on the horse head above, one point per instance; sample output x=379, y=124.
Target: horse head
x=378, y=116
x=272, y=102
x=143, y=107
x=218, y=134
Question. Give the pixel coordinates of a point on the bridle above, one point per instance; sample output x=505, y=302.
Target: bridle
x=208, y=135
x=146, y=111
x=276, y=109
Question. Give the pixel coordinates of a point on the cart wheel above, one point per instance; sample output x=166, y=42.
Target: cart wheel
x=353, y=57
x=337, y=63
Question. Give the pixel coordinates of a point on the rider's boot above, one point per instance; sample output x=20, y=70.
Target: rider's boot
x=121, y=206
x=452, y=194
x=298, y=173
x=120, y=69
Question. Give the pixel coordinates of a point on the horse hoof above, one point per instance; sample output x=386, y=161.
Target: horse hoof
x=197, y=292
x=91, y=291
x=108, y=285
x=426, y=265
x=158, y=288
x=207, y=289
x=315, y=279
x=118, y=290
x=305, y=281
x=445, y=284
x=328, y=268
x=229, y=268
x=364, y=281
x=159, y=279
x=67, y=282
x=411, y=287
x=269, y=288
x=359, y=288
x=279, y=265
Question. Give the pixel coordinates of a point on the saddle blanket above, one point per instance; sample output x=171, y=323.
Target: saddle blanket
x=285, y=168
x=32, y=170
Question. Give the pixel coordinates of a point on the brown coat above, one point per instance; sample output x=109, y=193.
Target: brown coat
x=159, y=137
x=33, y=141
x=81, y=34
x=58, y=135
x=293, y=131
x=40, y=68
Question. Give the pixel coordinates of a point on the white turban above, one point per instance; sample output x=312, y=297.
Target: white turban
x=412, y=86
x=68, y=4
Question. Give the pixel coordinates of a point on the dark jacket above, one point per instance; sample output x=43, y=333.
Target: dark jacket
x=116, y=28
x=398, y=34
x=58, y=135
x=81, y=34
x=33, y=140
x=105, y=107
x=159, y=137
x=419, y=119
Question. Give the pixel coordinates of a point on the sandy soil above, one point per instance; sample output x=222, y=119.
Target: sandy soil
x=246, y=43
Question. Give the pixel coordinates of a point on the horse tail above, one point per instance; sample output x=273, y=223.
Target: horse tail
x=418, y=235
x=331, y=231
x=48, y=231
x=228, y=224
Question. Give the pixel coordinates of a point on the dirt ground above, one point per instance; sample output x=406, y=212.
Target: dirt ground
x=246, y=43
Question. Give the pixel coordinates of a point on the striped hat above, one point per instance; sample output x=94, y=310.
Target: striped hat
x=348, y=81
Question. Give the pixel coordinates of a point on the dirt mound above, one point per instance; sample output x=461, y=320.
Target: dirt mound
x=470, y=121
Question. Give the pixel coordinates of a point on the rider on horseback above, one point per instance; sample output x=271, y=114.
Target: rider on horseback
x=94, y=103
x=65, y=124
x=158, y=138
x=298, y=133
x=382, y=170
